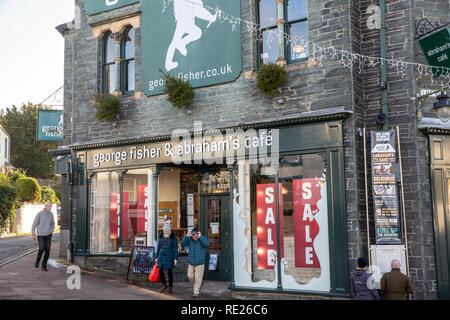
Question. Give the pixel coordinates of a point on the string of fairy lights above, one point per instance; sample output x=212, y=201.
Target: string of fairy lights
x=437, y=76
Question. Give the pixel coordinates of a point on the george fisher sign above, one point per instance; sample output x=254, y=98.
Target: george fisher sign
x=97, y=6
x=49, y=125
x=436, y=48
x=190, y=40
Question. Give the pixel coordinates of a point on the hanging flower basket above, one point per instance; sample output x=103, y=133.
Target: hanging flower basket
x=180, y=93
x=108, y=107
x=270, y=77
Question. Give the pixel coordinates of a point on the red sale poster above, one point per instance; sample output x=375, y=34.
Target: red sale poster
x=266, y=225
x=306, y=228
x=142, y=207
x=114, y=210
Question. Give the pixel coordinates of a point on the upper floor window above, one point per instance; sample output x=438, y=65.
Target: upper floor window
x=295, y=37
x=109, y=72
x=118, y=77
x=128, y=63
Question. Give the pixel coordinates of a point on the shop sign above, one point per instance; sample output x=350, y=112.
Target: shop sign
x=306, y=196
x=49, y=125
x=384, y=188
x=190, y=40
x=97, y=6
x=142, y=259
x=436, y=48
x=142, y=206
x=183, y=148
x=266, y=225
x=114, y=205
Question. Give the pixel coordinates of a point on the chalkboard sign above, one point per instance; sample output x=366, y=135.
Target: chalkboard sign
x=141, y=260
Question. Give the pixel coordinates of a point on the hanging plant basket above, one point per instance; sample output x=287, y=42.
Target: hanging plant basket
x=270, y=77
x=180, y=93
x=108, y=107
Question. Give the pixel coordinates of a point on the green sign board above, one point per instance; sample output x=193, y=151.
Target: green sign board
x=49, y=125
x=191, y=40
x=97, y=6
x=436, y=48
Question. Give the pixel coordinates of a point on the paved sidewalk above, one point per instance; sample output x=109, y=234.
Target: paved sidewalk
x=20, y=280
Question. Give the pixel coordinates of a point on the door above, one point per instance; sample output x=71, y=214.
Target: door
x=215, y=224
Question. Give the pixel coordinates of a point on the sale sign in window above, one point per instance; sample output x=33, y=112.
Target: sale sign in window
x=266, y=225
x=306, y=228
x=143, y=204
x=114, y=210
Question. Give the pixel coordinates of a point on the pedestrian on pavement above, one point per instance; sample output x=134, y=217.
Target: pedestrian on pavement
x=395, y=284
x=362, y=285
x=45, y=224
x=167, y=256
x=197, y=245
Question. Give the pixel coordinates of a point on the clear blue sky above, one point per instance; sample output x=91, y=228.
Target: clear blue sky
x=31, y=50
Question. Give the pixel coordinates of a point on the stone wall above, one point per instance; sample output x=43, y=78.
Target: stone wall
x=338, y=23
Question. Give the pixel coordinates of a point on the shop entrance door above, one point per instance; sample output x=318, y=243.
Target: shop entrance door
x=215, y=224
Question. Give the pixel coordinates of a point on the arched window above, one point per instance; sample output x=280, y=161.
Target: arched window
x=108, y=70
x=128, y=60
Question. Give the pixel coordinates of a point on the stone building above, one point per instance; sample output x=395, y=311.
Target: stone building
x=339, y=80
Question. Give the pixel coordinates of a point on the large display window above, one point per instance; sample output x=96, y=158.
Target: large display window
x=303, y=224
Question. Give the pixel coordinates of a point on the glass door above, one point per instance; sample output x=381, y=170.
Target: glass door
x=215, y=224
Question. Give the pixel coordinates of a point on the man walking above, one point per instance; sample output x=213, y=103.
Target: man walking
x=45, y=224
x=395, y=284
x=197, y=245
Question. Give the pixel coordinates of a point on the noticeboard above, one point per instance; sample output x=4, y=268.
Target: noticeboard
x=384, y=187
x=436, y=48
x=141, y=260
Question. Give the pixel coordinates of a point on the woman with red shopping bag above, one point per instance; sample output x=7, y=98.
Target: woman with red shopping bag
x=167, y=256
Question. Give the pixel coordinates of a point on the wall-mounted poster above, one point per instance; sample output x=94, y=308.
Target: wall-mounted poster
x=385, y=197
x=191, y=40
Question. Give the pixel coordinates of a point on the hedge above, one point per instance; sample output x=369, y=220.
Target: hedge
x=7, y=207
x=28, y=189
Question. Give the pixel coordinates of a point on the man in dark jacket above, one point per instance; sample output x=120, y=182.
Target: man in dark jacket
x=395, y=284
x=362, y=286
x=197, y=245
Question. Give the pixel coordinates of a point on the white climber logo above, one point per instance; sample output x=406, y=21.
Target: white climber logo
x=111, y=2
x=186, y=30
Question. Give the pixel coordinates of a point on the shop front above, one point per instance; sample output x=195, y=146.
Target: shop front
x=270, y=197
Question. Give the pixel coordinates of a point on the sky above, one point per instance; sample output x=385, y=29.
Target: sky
x=31, y=49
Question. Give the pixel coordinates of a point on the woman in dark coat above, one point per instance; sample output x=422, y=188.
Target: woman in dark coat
x=167, y=256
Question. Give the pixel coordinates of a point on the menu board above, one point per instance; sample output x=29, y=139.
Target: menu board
x=384, y=188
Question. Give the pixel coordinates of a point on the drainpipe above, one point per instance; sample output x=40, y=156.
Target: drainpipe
x=383, y=84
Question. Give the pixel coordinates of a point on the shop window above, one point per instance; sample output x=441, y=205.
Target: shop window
x=295, y=38
x=104, y=208
x=108, y=69
x=303, y=223
x=136, y=205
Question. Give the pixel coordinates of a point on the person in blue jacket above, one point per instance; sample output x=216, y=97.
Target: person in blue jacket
x=362, y=286
x=167, y=256
x=197, y=245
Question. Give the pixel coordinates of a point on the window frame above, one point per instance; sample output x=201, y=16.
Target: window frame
x=287, y=24
x=123, y=61
x=105, y=38
x=286, y=31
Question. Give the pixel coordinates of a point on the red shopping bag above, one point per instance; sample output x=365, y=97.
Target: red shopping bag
x=154, y=275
